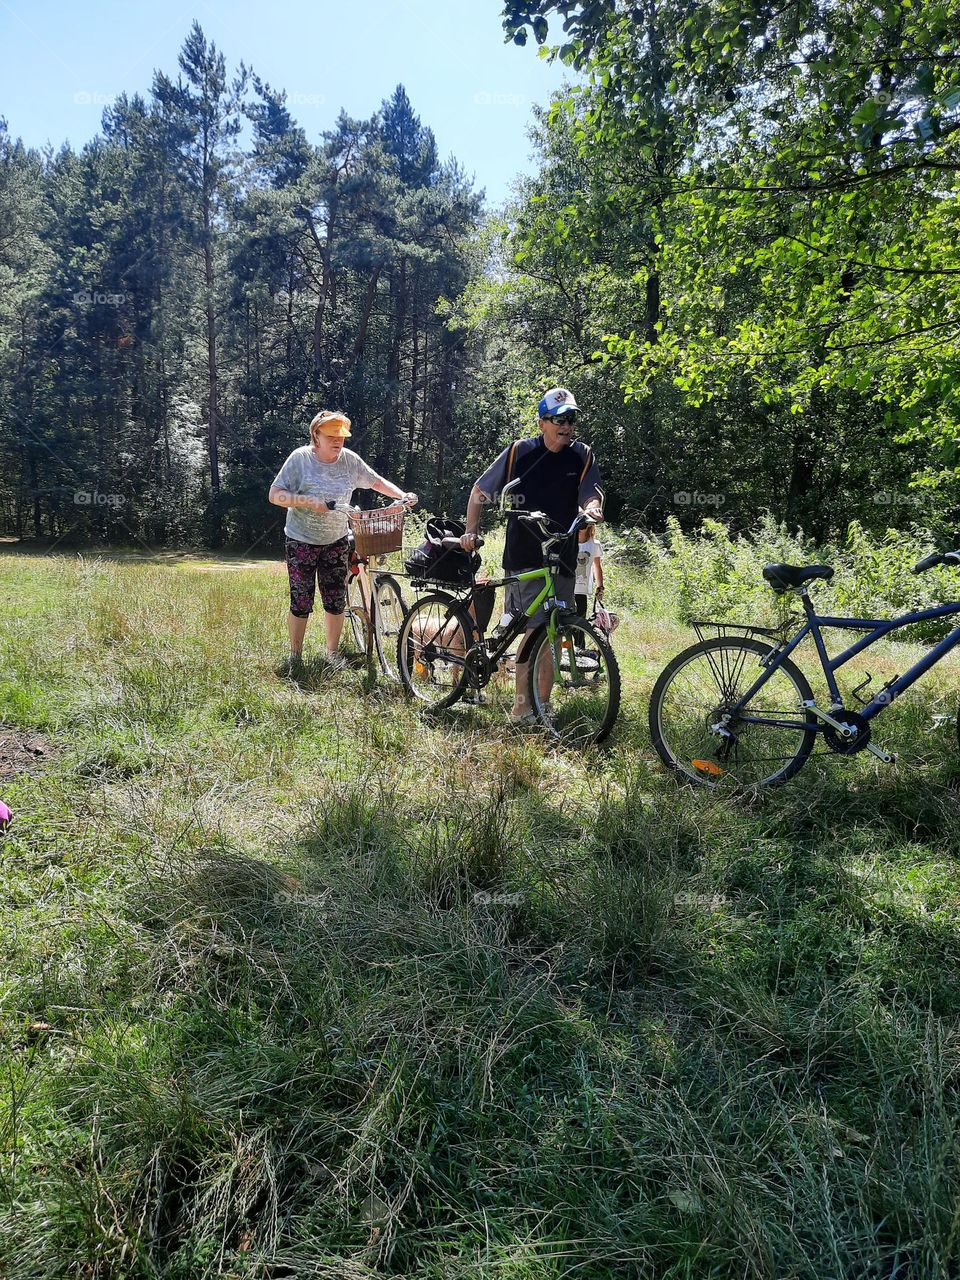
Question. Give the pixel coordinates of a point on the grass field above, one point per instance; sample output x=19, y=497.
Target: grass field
x=296, y=984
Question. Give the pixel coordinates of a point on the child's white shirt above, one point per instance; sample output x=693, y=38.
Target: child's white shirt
x=586, y=552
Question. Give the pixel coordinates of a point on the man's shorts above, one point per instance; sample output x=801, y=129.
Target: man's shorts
x=520, y=595
x=309, y=566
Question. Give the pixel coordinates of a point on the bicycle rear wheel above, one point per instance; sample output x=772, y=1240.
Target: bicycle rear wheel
x=574, y=687
x=388, y=619
x=431, y=650
x=700, y=686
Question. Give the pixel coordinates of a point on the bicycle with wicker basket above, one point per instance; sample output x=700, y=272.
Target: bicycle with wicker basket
x=373, y=593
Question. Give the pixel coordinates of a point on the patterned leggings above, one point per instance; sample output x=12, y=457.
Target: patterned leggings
x=308, y=565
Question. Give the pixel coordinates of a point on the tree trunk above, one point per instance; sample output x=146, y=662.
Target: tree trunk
x=412, y=405
x=325, y=248
x=393, y=375
x=371, y=294
x=35, y=486
x=213, y=390
x=652, y=308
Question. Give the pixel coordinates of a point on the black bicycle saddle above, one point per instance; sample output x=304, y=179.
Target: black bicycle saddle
x=791, y=577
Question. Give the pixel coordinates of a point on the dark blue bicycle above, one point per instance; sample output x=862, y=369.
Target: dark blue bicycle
x=734, y=711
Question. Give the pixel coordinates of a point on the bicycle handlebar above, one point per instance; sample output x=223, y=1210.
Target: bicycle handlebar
x=398, y=504
x=581, y=520
x=935, y=558
x=541, y=518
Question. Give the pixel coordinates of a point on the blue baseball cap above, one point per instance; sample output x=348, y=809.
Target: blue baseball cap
x=558, y=400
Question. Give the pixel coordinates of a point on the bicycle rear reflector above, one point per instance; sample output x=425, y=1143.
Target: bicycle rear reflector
x=707, y=766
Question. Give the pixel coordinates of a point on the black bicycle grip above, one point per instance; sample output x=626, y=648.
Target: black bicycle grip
x=927, y=562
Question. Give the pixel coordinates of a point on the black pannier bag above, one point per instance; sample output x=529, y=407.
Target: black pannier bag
x=433, y=562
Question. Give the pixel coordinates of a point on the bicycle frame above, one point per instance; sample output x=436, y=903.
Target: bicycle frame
x=367, y=576
x=877, y=629
x=519, y=624
x=369, y=571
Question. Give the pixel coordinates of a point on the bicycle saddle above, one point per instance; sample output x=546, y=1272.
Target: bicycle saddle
x=791, y=577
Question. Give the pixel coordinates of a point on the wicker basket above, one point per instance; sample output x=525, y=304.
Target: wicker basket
x=377, y=532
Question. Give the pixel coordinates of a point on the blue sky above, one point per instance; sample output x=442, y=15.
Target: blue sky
x=61, y=62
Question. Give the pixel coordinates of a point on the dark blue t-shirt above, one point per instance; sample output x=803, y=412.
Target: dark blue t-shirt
x=557, y=483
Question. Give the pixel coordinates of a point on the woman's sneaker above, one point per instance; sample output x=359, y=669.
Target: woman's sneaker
x=336, y=662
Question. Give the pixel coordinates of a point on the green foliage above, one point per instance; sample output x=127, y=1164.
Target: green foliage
x=716, y=574
x=754, y=213
x=174, y=311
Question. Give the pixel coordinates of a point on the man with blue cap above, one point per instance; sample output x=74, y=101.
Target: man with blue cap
x=557, y=474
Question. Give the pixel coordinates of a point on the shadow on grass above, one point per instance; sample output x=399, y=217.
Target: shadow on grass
x=483, y=1027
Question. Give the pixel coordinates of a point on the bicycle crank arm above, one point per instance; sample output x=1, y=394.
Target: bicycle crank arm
x=845, y=732
x=840, y=727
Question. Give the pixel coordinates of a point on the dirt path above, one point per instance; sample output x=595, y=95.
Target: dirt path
x=22, y=751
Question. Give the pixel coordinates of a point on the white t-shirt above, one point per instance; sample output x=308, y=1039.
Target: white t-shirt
x=304, y=475
x=585, y=555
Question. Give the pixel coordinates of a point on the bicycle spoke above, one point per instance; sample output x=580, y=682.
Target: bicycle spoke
x=432, y=647
x=389, y=616
x=579, y=703
x=698, y=728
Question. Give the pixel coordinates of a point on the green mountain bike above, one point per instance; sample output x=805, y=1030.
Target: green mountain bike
x=571, y=673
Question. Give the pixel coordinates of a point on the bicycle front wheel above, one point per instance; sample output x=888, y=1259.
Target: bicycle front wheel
x=388, y=616
x=356, y=619
x=431, y=650
x=696, y=732
x=574, y=684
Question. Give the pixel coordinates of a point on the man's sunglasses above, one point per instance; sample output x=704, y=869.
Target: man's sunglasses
x=568, y=419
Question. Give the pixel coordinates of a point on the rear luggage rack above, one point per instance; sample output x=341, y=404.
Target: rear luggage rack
x=720, y=630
